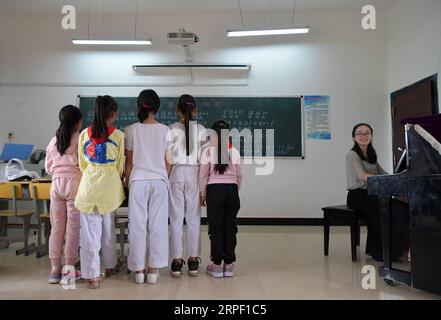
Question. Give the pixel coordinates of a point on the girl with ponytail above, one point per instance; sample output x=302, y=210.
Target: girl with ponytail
x=101, y=159
x=62, y=164
x=220, y=178
x=188, y=137
x=147, y=171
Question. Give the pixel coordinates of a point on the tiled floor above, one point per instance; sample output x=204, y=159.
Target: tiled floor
x=273, y=263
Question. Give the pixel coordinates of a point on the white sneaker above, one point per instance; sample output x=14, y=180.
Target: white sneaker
x=152, y=277
x=140, y=278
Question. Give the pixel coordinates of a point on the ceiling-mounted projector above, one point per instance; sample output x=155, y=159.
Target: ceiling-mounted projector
x=182, y=38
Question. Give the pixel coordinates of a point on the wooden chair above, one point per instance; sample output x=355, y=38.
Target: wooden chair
x=4, y=204
x=13, y=191
x=40, y=193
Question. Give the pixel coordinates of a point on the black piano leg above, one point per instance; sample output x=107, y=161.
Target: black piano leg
x=384, y=203
x=391, y=276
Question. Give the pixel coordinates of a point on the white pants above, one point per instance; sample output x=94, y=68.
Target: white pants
x=184, y=201
x=97, y=232
x=148, y=224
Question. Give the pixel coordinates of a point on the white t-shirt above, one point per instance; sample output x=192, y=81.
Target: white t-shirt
x=149, y=143
x=186, y=168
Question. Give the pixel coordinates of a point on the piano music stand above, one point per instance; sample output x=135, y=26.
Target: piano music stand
x=402, y=164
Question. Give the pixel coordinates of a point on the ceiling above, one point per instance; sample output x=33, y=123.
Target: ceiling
x=50, y=7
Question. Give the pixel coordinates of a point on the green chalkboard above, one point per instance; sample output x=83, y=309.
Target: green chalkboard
x=282, y=114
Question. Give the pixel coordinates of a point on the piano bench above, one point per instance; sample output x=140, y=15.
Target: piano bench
x=342, y=215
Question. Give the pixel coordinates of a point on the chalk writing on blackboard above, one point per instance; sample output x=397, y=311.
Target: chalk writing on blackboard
x=282, y=115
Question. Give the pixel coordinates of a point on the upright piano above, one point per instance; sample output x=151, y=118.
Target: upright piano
x=420, y=183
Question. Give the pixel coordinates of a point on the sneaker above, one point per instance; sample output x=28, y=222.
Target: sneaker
x=139, y=277
x=65, y=279
x=229, y=270
x=176, y=267
x=193, y=266
x=215, y=270
x=153, y=277
x=55, y=277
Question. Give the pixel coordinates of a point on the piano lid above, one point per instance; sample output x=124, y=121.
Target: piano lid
x=431, y=124
x=436, y=144
x=423, y=152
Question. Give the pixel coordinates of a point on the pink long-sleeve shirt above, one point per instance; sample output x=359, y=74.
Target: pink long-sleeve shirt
x=66, y=165
x=207, y=174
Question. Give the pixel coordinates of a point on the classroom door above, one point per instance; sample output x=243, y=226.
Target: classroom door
x=417, y=100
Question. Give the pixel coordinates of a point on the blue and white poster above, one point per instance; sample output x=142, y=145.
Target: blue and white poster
x=317, y=117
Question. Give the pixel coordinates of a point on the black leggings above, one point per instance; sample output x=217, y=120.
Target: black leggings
x=223, y=204
x=368, y=206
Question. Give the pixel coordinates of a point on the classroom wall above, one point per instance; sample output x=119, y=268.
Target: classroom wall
x=338, y=59
x=414, y=42
x=413, y=45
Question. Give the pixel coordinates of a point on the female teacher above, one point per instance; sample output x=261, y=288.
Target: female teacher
x=361, y=163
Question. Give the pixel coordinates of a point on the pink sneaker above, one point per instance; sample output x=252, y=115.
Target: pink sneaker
x=55, y=277
x=215, y=270
x=229, y=270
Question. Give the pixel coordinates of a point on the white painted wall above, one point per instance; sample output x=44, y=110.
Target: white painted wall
x=338, y=58
x=414, y=45
x=414, y=41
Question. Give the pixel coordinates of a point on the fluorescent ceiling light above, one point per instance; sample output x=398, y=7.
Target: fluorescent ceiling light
x=191, y=65
x=114, y=42
x=251, y=33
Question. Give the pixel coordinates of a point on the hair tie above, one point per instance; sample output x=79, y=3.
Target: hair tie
x=146, y=106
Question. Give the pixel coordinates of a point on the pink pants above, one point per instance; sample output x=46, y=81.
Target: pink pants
x=65, y=220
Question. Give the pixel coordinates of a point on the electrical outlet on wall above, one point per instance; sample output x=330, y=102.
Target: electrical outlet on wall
x=11, y=135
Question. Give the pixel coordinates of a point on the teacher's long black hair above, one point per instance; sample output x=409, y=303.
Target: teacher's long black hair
x=371, y=153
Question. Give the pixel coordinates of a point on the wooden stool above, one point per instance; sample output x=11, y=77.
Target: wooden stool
x=342, y=215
